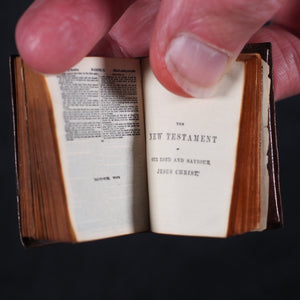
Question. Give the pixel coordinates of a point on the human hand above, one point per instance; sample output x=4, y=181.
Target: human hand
x=191, y=42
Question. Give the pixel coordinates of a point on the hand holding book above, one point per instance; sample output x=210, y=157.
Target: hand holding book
x=53, y=35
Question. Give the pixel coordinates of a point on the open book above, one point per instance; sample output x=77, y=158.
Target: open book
x=105, y=150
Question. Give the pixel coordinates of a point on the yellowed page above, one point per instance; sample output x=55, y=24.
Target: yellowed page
x=265, y=146
x=191, y=152
x=100, y=129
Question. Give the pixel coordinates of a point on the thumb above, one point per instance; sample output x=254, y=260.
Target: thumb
x=194, y=41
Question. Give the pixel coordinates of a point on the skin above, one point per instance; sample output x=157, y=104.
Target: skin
x=53, y=35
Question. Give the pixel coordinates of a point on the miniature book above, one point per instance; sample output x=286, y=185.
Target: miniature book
x=104, y=149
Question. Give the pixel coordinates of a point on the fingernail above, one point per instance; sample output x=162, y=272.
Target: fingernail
x=196, y=67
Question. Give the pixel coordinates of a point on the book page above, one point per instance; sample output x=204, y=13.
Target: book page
x=100, y=130
x=191, y=154
x=265, y=145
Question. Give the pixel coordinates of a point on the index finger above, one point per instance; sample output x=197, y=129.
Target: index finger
x=53, y=35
